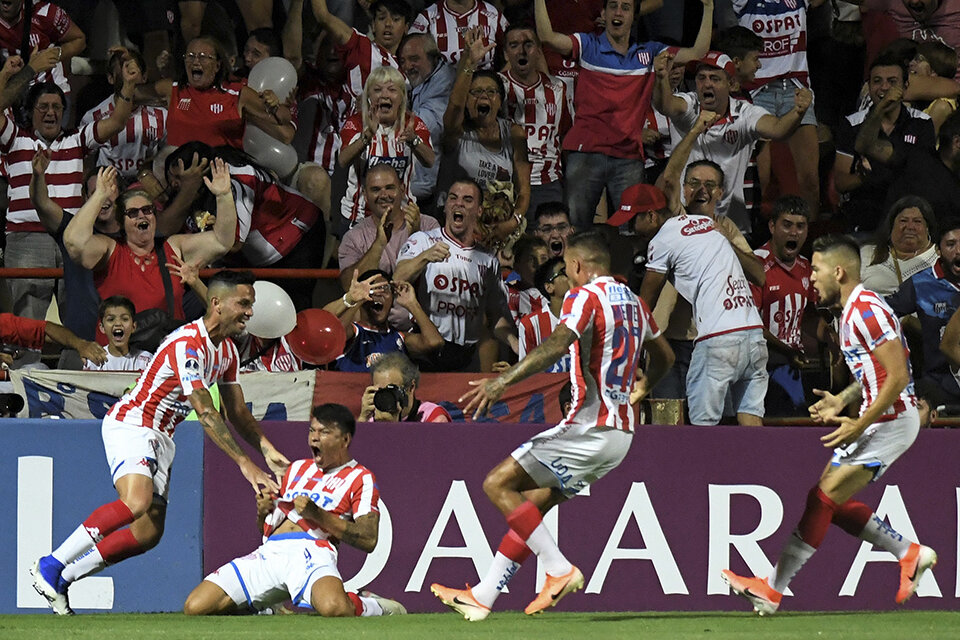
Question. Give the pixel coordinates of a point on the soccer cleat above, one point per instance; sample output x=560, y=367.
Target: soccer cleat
x=48, y=583
x=912, y=567
x=555, y=588
x=762, y=596
x=461, y=601
x=390, y=607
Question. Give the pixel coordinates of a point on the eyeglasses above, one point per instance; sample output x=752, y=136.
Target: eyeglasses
x=562, y=272
x=694, y=184
x=547, y=229
x=43, y=108
x=133, y=212
x=489, y=93
x=202, y=57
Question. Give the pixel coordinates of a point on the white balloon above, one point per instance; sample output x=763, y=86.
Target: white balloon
x=273, y=312
x=274, y=73
x=269, y=151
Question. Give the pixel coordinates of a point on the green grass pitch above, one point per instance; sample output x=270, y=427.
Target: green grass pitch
x=903, y=625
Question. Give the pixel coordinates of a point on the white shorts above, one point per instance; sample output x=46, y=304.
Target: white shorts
x=284, y=567
x=881, y=444
x=139, y=450
x=571, y=456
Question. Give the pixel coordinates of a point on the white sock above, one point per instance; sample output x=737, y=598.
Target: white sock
x=543, y=544
x=89, y=563
x=76, y=544
x=370, y=607
x=496, y=578
x=880, y=534
x=792, y=558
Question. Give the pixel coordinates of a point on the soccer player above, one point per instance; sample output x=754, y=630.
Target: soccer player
x=138, y=439
x=603, y=325
x=863, y=447
x=322, y=500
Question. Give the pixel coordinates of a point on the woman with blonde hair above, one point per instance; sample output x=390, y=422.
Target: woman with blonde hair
x=381, y=132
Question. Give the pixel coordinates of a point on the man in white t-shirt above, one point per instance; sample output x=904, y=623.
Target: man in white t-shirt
x=458, y=282
x=730, y=140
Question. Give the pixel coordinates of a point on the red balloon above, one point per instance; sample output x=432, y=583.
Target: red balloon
x=318, y=337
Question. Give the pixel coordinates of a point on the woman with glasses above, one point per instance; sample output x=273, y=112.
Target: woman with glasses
x=203, y=105
x=131, y=266
x=383, y=131
x=477, y=142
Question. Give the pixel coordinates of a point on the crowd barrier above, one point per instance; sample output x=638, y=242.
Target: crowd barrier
x=652, y=535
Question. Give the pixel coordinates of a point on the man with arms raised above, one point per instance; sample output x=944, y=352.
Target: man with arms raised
x=322, y=500
x=863, y=447
x=138, y=439
x=604, y=326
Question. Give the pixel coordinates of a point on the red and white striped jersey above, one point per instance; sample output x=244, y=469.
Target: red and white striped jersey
x=784, y=297
x=533, y=329
x=48, y=24
x=543, y=110
x=145, y=133
x=186, y=361
x=447, y=28
x=783, y=26
x=384, y=148
x=866, y=323
x=524, y=301
x=611, y=324
x=64, y=175
x=333, y=105
x=348, y=492
x=277, y=357
x=361, y=55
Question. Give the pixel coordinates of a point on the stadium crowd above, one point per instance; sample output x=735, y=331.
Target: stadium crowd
x=443, y=153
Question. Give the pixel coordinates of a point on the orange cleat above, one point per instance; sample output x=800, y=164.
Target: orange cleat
x=912, y=567
x=764, y=598
x=461, y=601
x=555, y=588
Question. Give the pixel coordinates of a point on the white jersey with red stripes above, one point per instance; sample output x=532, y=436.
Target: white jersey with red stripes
x=543, y=110
x=611, y=324
x=447, y=28
x=138, y=143
x=866, y=323
x=533, y=329
x=524, y=301
x=361, y=55
x=333, y=105
x=782, y=24
x=348, y=492
x=384, y=148
x=186, y=361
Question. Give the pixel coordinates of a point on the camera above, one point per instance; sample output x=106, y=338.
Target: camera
x=390, y=399
x=11, y=350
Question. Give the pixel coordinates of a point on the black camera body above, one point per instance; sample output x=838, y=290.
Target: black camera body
x=10, y=349
x=390, y=399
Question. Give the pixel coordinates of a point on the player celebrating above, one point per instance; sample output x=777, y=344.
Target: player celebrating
x=603, y=325
x=138, y=439
x=865, y=447
x=322, y=501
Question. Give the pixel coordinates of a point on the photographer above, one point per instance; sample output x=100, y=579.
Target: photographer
x=392, y=395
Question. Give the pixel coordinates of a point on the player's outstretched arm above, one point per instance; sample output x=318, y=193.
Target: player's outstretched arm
x=828, y=408
x=361, y=534
x=216, y=429
x=249, y=429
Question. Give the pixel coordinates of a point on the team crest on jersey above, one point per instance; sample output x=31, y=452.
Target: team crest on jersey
x=730, y=136
x=184, y=104
x=696, y=227
x=216, y=108
x=34, y=40
x=792, y=4
x=805, y=282
x=551, y=109
x=644, y=58
x=910, y=139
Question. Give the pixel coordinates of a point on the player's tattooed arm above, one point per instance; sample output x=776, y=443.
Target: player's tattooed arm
x=361, y=533
x=548, y=352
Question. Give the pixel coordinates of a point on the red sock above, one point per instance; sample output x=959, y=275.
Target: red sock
x=816, y=517
x=525, y=519
x=118, y=546
x=107, y=519
x=513, y=547
x=852, y=517
x=357, y=605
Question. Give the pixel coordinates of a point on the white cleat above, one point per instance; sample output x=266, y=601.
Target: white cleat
x=390, y=607
x=57, y=601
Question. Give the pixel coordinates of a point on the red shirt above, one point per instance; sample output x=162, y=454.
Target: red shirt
x=209, y=115
x=48, y=24
x=22, y=332
x=786, y=294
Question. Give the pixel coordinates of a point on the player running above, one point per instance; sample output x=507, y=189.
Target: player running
x=603, y=325
x=138, y=439
x=864, y=447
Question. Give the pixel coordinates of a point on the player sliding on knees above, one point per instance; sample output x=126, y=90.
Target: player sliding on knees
x=138, y=439
x=863, y=448
x=603, y=325
x=322, y=501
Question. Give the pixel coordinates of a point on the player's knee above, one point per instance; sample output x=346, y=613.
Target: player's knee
x=138, y=502
x=333, y=606
x=195, y=606
x=493, y=484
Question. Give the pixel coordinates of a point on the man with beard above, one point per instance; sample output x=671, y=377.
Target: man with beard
x=539, y=103
x=458, y=282
x=370, y=335
x=553, y=227
x=934, y=295
x=729, y=141
x=863, y=447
